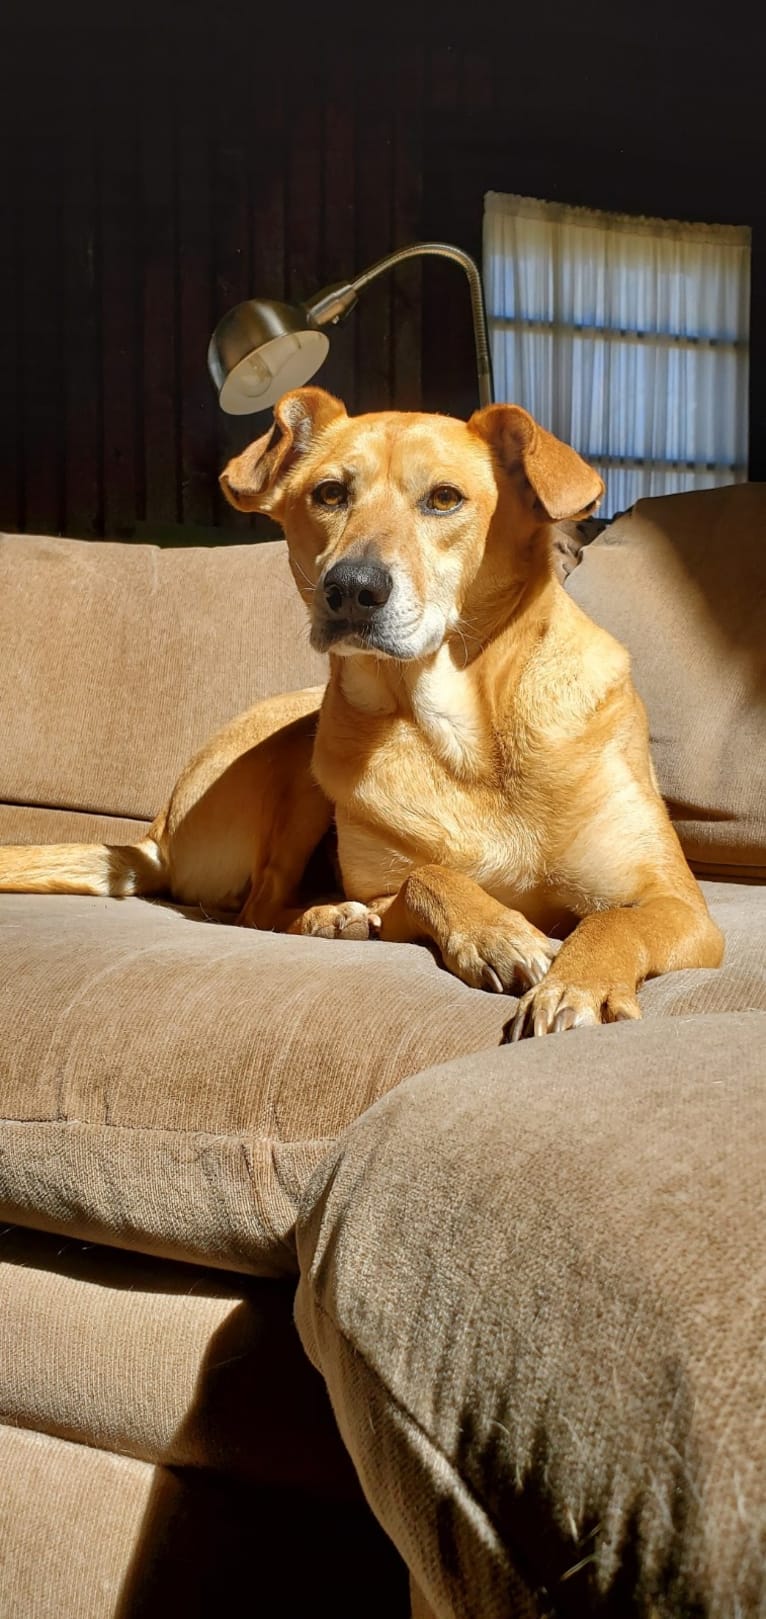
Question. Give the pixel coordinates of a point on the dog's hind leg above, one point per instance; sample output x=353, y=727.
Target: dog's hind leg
x=344, y=919
x=300, y=818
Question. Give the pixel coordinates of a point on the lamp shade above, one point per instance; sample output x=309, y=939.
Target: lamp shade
x=259, y=351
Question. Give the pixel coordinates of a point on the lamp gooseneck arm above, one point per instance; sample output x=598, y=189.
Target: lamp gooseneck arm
x=334, y=303
x=444, y=250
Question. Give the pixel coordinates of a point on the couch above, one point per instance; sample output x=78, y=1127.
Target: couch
x=293, y=1247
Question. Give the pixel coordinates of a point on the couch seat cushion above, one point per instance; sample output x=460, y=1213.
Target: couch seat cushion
x=536, y=1289
x=87, y=1534
x=170, y=1084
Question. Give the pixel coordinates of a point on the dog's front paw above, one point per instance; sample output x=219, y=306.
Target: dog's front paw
x=554, y=1006
x=500, y=956
x=347, y=920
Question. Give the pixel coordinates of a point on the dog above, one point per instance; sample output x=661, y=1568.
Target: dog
x=479, y=747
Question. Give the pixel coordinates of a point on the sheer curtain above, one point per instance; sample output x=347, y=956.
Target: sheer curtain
x=627, y=337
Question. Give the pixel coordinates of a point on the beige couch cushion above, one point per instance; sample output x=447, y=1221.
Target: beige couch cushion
x=168, y=1363
x=681, y=581
x=71, y=1520
x=21, y=824
x=170, y=1085
x=86, y=1534
x=118, y=661
x=535, y=1283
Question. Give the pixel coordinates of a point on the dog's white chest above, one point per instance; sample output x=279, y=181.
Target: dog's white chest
x=446, y=712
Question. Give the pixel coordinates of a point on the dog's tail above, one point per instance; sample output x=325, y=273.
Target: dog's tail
x=83, y=868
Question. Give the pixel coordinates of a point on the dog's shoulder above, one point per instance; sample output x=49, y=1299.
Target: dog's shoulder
x=571, y=669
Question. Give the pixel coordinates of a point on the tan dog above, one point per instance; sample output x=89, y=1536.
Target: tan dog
x=479, y=743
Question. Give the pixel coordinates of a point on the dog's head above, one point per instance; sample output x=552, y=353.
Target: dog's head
x=391, y=518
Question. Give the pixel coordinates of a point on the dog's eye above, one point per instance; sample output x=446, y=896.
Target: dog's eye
x=331, y=493
x=444, y=498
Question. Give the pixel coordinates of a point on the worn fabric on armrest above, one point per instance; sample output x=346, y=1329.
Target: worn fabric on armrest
x=535, y=1284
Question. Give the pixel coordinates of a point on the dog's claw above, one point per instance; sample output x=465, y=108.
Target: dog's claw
x=491, y=982
x=497, y=957
x=515, y=1028
x=540, y=965
x=554, y=1007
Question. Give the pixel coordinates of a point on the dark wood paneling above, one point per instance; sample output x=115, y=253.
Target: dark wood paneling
x=373, y=181
x=82, y=356
x=195, y=301
x=338, y=215
x=11, y=465
x=406, y=227
x=38, y=305
x=161, y=166
x=119, y=291
x=158, y=248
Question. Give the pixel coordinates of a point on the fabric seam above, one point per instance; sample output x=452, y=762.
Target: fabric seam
x=241, y=1136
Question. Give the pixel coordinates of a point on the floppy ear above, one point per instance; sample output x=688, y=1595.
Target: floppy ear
x=564, y=484
x=251, y=480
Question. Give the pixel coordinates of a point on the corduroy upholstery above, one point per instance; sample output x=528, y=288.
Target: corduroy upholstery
x=217, y=1354
x=537, y=1291
x=681, y=581
x=119, y=661
x=170, y=1084
x=89, y=1532
x=529, y=1276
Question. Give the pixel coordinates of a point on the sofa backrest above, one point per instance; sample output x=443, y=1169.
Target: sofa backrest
x=681, y=581
x=117, y=661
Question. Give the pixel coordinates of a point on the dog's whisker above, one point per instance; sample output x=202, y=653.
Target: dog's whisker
x=303, y=574
x=464, y=643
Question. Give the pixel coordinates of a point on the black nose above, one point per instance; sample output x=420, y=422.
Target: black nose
x=355, y=590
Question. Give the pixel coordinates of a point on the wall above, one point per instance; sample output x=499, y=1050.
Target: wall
x=162, y=164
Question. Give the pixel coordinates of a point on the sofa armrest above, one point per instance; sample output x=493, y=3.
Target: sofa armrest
x=534, y=1281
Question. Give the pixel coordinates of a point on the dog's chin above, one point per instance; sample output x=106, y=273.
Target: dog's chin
x=349, y=640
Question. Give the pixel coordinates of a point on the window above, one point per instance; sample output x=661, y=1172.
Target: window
x=626, y=337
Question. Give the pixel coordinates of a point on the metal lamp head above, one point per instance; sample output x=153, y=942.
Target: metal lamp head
x=262, y=349
x=259, y=351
